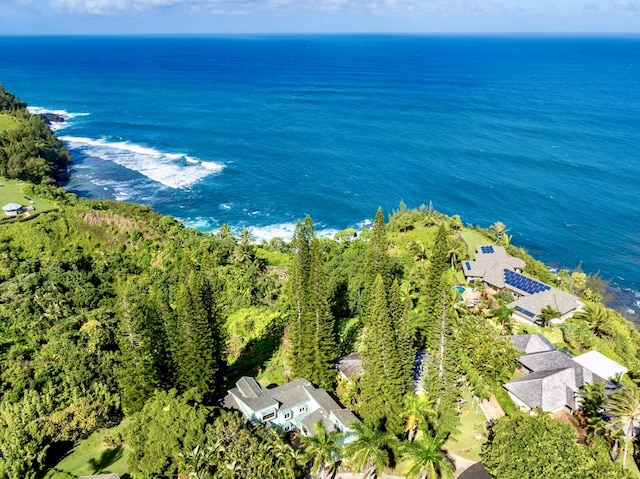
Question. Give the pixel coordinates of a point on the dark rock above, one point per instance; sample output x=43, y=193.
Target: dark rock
x=50, y=118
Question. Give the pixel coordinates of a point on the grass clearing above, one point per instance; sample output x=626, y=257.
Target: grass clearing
x=472, y=430
x=473, y=239
x=94, y=456
x=11, y=192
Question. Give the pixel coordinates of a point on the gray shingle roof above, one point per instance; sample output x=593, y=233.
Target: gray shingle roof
x=350, y=365
x=345, y=416
x=558, y=300
x=546, y=389
x=490, y=266
x=547, y=360
x=555, y=376
x=532, y=343
x=315, y=417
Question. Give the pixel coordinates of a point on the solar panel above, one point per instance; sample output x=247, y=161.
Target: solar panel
x=523, y=283
x=467, y=265
x=525, y=312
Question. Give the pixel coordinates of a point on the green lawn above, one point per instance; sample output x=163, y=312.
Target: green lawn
x=473, y=239
x=11, y=192
x=7, y=122
x=92, y=456
x=472, y=430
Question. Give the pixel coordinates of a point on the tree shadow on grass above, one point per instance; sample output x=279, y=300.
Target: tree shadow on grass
x=107, y=458
x=254, y=357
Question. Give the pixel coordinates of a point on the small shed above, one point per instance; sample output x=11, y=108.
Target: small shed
x=12, y=209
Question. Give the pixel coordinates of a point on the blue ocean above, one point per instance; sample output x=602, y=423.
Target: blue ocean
x=540, y=133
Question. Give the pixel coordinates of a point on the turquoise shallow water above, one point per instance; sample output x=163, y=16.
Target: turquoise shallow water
x=540, y=133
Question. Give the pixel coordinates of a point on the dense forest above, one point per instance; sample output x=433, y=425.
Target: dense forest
x=28, y=149
x=114, y=317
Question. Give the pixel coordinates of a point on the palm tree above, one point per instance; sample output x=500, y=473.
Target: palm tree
x=548, y=313
x=426, y=458
x=224, y=231
x=323, y=450
x=455, y=223
x=416, y=410
x=456, y=250
x=597, y=317
x=504, y=316
x=591, y=399
x=499, y=229
x=370, y=451
x=624, y=408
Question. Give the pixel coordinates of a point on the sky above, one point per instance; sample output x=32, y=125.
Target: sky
x=77, y=17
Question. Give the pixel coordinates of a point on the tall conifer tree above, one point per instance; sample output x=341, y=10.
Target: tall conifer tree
x=433, y=289
x=323, y=372
x=384, y=382
x=200, y=340
x=377, y=260
x=312, y=335
x=399, y=310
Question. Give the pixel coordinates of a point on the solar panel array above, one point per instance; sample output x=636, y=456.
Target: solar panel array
x=487, y=249
x=528, y=285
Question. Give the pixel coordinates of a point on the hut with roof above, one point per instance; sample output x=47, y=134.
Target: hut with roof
x=12, y=209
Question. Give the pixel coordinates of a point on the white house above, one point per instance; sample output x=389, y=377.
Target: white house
x=297, y=405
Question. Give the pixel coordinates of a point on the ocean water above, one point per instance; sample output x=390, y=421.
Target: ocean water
x=257, y=131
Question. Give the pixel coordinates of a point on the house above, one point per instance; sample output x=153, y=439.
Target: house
x=552, y=379
x=12, y=209
x=488, y=266
x=495, y=268
x=297, y=405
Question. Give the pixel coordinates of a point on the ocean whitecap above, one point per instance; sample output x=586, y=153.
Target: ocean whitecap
x=174, y=170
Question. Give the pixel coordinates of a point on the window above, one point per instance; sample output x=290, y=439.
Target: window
x=303, y=408
x=287, y=415
x=269, y=416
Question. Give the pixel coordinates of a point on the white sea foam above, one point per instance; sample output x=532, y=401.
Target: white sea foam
x=200, y=222
x=38, y=110
x=284, y=231
x=174, y=170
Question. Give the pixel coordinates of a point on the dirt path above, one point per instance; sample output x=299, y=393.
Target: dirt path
x=491, y=409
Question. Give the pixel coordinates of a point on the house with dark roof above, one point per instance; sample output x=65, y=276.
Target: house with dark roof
x=552, y=379
x=297, y=405
x=350, y=366
x=495, y=268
